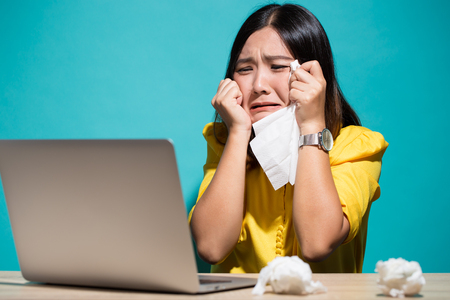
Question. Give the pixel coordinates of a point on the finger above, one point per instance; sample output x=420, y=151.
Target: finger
x=227, y=88
x=222, y=84
x=296, y=96
x=235, y=93
x=314, y=68
x=308, y=96
x=220, y=88
x=239, y=98
x=301, y=75
x=301, y=86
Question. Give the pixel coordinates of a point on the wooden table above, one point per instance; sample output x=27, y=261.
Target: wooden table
x=340, y=286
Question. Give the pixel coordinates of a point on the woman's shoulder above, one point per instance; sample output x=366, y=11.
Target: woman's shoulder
x=215, y=134
x=355, y=143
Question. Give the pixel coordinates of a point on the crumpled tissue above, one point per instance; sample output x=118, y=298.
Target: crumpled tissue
x=288, y=275
x=399, y=277
x=294, y=66
x=276, y=143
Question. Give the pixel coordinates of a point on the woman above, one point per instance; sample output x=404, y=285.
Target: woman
x=240, y=223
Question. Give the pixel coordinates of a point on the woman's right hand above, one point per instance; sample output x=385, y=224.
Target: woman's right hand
x=227, y=102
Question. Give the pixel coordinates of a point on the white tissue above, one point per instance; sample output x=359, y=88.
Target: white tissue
x=276, y=143
x=288, y=275
x=294, y=66
x=399, y=277
x=276, y=146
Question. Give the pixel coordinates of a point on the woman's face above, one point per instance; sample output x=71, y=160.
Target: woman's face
x=262, y=73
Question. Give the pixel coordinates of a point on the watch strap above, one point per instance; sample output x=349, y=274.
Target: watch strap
x=309, y=140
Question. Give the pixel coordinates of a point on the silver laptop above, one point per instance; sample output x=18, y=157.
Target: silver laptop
x=104, y=213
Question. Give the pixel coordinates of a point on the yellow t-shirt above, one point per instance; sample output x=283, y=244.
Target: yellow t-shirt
x=267, y=228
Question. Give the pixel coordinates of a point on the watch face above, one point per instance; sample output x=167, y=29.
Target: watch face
x=327, y=139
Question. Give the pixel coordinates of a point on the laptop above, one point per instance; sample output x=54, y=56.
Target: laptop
x=102, y=213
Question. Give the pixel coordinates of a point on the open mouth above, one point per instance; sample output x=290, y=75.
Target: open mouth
x=264, y=106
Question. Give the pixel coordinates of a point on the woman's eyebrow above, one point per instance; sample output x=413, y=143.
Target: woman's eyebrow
x=276, y=57
x=265, y=57
x=244, y=60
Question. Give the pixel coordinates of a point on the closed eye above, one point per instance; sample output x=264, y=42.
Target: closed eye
x=279, y=67
x=244, y=70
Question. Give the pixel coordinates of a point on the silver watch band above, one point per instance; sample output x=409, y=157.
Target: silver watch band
x=308, y=139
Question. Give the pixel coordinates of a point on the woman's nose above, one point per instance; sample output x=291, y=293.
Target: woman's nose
x=261, y=83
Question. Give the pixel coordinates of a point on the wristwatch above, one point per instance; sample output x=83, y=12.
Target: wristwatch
x=323, y=140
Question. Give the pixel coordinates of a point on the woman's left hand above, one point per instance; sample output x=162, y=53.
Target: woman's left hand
x=308, y=91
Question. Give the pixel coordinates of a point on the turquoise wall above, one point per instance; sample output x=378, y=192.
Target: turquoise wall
x=148, y=69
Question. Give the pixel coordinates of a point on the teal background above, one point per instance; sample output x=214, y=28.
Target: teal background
x=148, y=69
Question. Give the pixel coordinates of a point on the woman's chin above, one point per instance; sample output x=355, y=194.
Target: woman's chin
x=261, y=115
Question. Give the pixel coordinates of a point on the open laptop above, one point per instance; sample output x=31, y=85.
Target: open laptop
x=104, y=213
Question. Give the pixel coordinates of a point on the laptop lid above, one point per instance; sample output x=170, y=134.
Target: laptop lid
x=106, y=213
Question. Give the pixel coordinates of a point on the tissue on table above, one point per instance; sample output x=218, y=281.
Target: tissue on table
x=276, y=143
x=399, y=277
x=288, y=275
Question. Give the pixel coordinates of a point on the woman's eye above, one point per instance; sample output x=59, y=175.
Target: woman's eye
x=279, y=67
x=243, y=70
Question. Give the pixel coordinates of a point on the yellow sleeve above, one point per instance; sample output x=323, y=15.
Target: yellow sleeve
x=214, y=153
x=356, y=166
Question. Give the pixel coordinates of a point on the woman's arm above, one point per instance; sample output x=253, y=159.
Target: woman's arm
x=319, y=221
x=217, y=219
x=320, y=224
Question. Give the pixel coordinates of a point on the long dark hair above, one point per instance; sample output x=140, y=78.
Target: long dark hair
x=306, y=39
